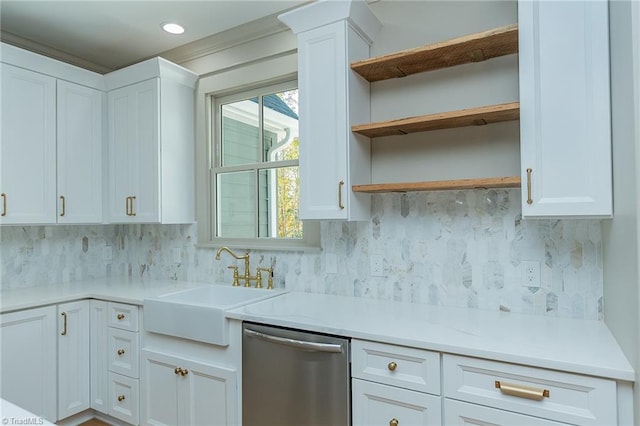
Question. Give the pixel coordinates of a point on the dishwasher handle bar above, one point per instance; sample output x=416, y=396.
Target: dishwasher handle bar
x=294, y=343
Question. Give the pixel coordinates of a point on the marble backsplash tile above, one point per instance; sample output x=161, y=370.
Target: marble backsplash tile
x=447, y=248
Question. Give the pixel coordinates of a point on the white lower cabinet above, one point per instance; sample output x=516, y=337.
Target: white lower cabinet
x=28, y=361
x=461, y=413
x=394, y=385
x=45, y=359
x=115, y=369
x=123, y=402
x=536, y=392
x=373, y=403
x=98, y=340
x=179, y=391
x=73, y=358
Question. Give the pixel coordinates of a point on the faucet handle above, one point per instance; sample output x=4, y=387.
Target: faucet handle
x=269, y=280
x=236, y=282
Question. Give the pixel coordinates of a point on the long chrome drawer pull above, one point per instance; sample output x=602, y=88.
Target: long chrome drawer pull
x=522, y=391
x=4, y=204
x=300, y=344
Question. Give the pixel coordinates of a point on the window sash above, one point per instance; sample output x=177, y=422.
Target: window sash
x=254, y=167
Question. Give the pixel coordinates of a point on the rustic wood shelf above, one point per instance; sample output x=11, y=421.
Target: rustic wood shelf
x=461, y=50
x=442, y=120
x=441, y=185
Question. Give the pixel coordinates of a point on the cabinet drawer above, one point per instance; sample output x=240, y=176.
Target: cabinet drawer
x=376, y=404
x=123, y=398
x=408, y=368
x=123, y=316
x=123, y=352
x=571, y=398
x=462, y=413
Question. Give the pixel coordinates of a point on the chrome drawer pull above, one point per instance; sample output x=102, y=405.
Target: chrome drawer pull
x=522, y=391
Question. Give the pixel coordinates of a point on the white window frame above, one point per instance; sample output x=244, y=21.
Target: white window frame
x=268, y=72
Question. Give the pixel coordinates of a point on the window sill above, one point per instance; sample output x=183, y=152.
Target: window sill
x=259, y=245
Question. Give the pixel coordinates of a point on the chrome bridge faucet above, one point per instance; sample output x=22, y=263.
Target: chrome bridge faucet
x=247, y=277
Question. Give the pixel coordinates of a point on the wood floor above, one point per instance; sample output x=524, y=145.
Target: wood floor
x=94, y=422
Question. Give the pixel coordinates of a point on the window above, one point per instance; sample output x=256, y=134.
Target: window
x=254, y=174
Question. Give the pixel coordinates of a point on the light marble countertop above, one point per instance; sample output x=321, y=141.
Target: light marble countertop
x=579, y=346
x=123, y=290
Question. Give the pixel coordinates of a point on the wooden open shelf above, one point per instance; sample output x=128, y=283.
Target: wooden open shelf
x=441, y=185
x=461, y=50
x=442, y=120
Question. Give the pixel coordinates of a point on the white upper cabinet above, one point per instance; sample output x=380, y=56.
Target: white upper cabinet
x=71, y=154
x=80, y=136
x=134, y=153
x=52, y=141
x=28, y=147
x=151, y=143
x=331, y=35
x=565, y=108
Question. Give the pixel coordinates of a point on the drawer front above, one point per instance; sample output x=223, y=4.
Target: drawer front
x=570, y=398
x=123, y=316
x=376, y=404
x=462, y=413
x=123, y=352
x=123, y=398
x=408, y=368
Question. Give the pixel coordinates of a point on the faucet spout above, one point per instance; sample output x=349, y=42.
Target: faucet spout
x=235, y=256
x=247, y=276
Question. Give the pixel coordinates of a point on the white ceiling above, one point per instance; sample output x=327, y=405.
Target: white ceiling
x=104, y=35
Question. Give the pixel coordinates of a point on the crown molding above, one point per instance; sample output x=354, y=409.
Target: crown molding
x=52, y=52
x=215, y=43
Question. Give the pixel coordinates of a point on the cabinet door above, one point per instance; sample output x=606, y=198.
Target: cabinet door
x=28, y=147
x=565, y=108
x=134, y=153
x=79, y=154
x=98, y=355
x=180, y=391
x=330, y=155
x=209, y=394
x=159, y=388
x=376, y=404
x=461, y=413
x=28, y=345
x=73, y=358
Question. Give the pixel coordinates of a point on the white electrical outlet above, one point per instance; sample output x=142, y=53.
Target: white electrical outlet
x=375, y=267
x=530, y=273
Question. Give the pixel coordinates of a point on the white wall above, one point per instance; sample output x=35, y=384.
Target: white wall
x=622, y=234
x=484, y=151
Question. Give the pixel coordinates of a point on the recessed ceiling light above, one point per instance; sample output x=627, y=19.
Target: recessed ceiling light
x=172, y=28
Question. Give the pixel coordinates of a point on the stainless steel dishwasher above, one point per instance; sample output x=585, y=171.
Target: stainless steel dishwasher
x=291, y=377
